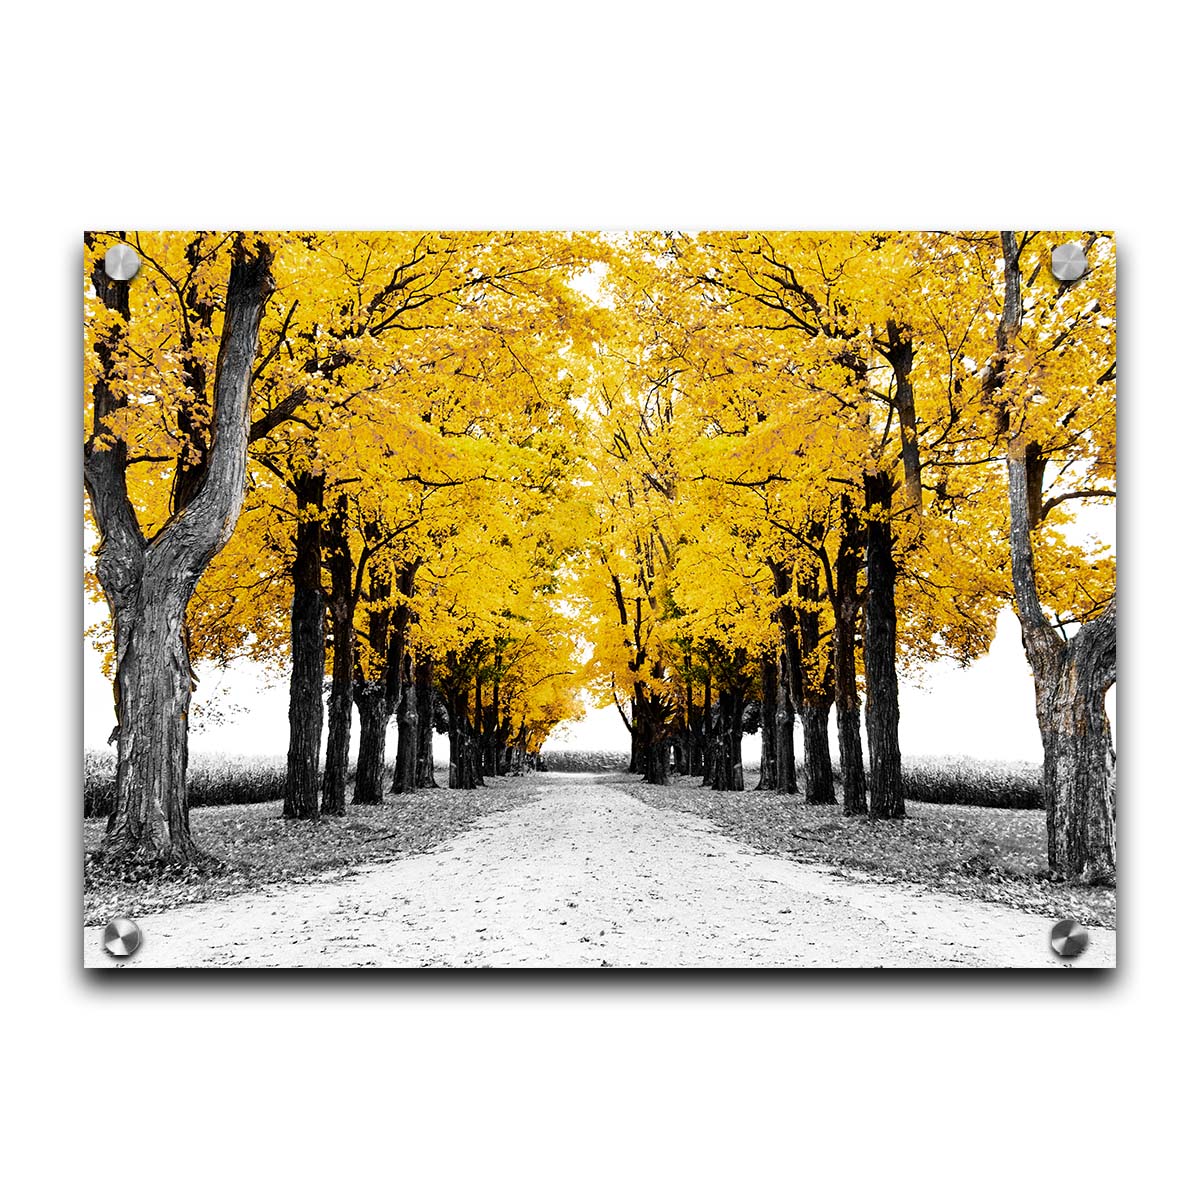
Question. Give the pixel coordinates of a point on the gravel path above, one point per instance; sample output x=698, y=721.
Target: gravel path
x=587, y=876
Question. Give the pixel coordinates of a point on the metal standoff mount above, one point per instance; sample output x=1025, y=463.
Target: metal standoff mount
x=121, y=262
x=1068, y=262
x=1068, y=939
x=122, y=937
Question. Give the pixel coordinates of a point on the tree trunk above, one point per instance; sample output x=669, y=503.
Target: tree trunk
x=398, y=766
x=722, y=772
x=504, y=732
x=404, y=778
x=637, y=735
x=341, y=694
x=1071, y=677
x=652, y=713
x=379, y=680
x=424, y=698
x=686, y=747
x=727, y=769
x=478, y=732
x=379, y=699
x=370, y=699
x=785, y=730
x=900, y=355
x=491, y=746
x=883, y=696
x=695, y=725
x=657, y=762
x=452, y=692
x=306, y=707
x=1079, y=765
x=845, y=616
x=737, y=702
x=148, y=584
x=154, y=689
x=818, y=766
x=696, y=741
x=790, y=689
x=737, y=709
x=462, y=753
x=768, y=775
x=710, y=747
x=815, y=701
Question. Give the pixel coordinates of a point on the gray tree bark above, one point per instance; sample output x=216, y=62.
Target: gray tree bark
x=404, y=777
x=846, y=608
x=768, y=763
x=306, y=705
x=341, y=694
x=879, y=645
x=728, y=775
x=423, y=687
x=816, y=699
x=788, y=691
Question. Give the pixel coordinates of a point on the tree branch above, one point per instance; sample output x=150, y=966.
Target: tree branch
x=277, y=415
x=1085, y=494
x=188, y=541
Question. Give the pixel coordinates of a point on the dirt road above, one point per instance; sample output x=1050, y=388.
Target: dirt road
x=587, y=876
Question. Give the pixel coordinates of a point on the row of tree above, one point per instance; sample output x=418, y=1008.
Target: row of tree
x=822, y=459
x=757, y=473
x=350, y=453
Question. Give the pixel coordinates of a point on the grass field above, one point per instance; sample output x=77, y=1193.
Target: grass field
x=983, y=853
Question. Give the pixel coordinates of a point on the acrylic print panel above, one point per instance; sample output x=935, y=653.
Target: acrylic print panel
x=627, y=600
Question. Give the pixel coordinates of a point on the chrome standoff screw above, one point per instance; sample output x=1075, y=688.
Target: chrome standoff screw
x=121, y=262
x=1068, y=262
x=1068, y=939
x=122, y=937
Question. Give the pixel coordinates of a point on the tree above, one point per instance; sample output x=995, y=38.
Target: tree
x=759, y=474
x=631, y=382
x=1034, y=372
x=148, y=581
x=831, y=368
x=401, y=363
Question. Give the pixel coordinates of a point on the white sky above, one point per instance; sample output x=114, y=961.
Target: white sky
x=983, y=711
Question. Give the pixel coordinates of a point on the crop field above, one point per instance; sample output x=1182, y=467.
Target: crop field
x=588, y=762
x=216, y=780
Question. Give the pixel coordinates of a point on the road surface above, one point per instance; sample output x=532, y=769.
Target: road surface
x=588, y=876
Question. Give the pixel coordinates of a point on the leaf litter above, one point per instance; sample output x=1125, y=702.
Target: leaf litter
x=992, y=854
x=253, y=846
